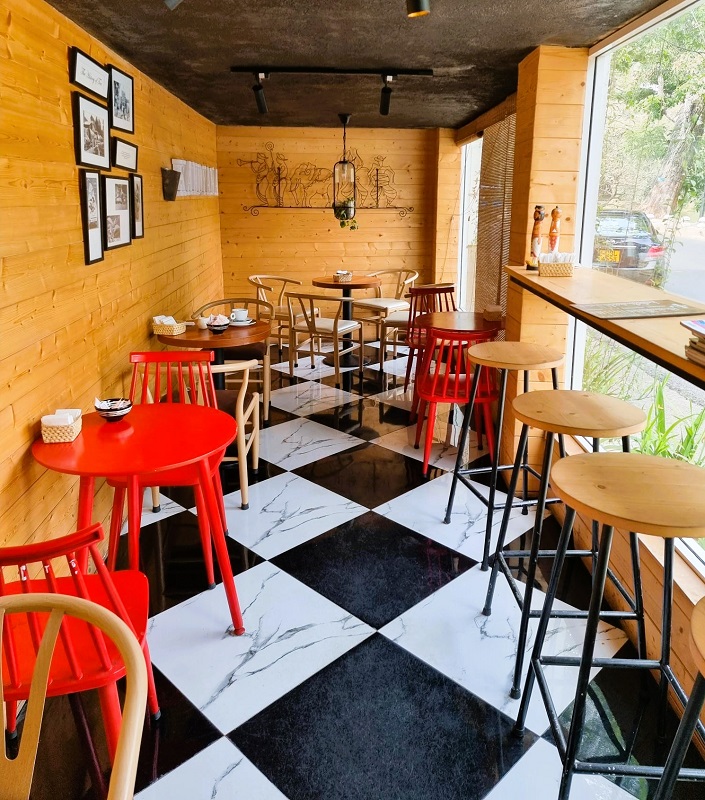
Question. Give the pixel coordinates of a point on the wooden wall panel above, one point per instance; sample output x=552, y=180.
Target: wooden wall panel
x=66, y=329
x=306, y=243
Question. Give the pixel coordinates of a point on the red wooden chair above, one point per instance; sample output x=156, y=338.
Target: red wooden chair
x=445, y=376
x=85, y=660
x=423, y=300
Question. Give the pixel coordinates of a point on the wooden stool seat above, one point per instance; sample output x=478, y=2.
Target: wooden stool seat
x=515, y=355
x=574, y=413
x=697, y=636
x=649, y=494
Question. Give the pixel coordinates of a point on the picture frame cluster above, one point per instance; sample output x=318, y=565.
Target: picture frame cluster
x=112, y=207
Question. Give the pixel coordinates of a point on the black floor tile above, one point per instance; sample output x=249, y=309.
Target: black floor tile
x=365, y=418
x=379, y=723
x=373, y=567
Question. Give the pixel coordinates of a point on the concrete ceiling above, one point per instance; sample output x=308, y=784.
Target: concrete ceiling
x=473, y=47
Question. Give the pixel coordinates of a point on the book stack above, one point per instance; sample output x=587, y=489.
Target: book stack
x=695, y=349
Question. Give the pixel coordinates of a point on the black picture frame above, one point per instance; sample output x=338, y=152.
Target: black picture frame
x=91, y=128
x=92, y=220
x=124, y=154
x=116, y=209
x=87, y=73
x=121, y=100
x=137, y=214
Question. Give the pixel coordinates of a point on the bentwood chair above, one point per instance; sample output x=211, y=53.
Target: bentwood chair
x=278, y=284
x=259, y=351
x=48, y=615
x=445, y=376
x=303, y=319
x=84, y=661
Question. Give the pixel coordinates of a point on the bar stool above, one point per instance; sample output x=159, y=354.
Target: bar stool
x=692, y=711
x=571, y=413
x=504, y=356
x=633, y=492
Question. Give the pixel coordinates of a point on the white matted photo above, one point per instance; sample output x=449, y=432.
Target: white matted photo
x=121, y=101
x=86, y=72
x=116, y=199
x=137, y=207
x=124, y=154
x=92, y=216
x=91, y=132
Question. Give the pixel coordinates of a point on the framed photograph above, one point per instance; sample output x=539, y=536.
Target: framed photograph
x=116, y=202
x=88, y=73
x=124, y=154
x=91, y=215
x=91, y=129
x=137, y=207
x=121, y=103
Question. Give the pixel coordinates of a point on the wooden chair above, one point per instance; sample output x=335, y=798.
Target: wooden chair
x=376, y=309
x=278, y=284
x=84, y=662
x=302, y=319
x=65, y=613
x=259, y=351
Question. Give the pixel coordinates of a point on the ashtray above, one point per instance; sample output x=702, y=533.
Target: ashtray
x=113, y=408
x=218, y=328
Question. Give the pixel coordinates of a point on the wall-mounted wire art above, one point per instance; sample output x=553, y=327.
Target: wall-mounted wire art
x=279, y=184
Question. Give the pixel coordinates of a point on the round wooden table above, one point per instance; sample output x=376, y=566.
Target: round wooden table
x=234, y=336
x=459, y=321
x=150, y=439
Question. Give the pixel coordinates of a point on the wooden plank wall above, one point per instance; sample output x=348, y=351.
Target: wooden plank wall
x=66, y=329
x=306, y=243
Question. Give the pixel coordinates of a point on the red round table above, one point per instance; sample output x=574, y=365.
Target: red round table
x=151, y=438
x=460, y=321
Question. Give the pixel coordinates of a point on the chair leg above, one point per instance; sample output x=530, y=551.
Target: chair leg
x=336, y=362
x=428, y=443
x=11, y=718
x=218, y=487
x=152, y=700
x=156, y=501
x=407, y=379
x=421, y=412
x=292, y=352
x=254, y=447
x=242, y=465
x=266, y=385
x=112, y=716
x=204, y=531
x=115, y=526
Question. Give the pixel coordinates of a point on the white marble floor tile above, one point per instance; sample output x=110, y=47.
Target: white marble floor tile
x=301, y=441
x=423, y=509
x=284, y=512
x=291, y=633
x=396, y=366
x=537, y=775
x=320, y=370
x=168, y=509
x=402, y=350
x=310, y=398
x=449, y=631
x=396, y=397
x=220, y=772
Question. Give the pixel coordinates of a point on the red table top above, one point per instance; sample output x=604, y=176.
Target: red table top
x=150, y=438
x=356, y=282
x=460, y=321
x=234, y=336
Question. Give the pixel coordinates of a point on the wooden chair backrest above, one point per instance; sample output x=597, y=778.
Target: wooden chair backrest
x=257, y=308
x=302, y=305
x=403, y=279
x=16, y=774
x=268, y=283
x=173, y=376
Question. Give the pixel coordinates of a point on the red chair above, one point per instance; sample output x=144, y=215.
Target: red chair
x=85, y=659
x=445, y=376
x=423, y=300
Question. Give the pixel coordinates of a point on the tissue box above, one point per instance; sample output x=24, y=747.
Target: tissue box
x=556, y=265
x=342, y=277
x=52, y=434
x=167, y=329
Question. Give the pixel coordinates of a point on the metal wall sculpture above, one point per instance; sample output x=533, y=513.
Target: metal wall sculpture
x=279, y=184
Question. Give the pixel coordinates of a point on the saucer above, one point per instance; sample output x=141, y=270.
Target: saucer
x=244, y=322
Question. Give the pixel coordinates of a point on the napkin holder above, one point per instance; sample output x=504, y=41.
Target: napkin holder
x=342, y=277
x=53, y=433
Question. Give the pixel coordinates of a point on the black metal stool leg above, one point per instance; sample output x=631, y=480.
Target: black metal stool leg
x=495, y=466
x=666, y=615
x=523, y=438
x=515, y=692
x=682, y=740
x=591, y=628
x=525, y=462
x=563, y=542
x=463, y=441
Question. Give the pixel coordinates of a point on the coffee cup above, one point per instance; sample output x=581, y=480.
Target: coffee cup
x=239, y=315
x=202, y=323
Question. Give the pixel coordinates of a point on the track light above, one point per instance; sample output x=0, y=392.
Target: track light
x=258, y=89
x=172, y=4
x=418, y=8
x=385, y=98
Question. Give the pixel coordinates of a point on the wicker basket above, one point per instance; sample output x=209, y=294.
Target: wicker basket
x=560, y=269
x=344, y=277
x=52, y=434
x=168, y=330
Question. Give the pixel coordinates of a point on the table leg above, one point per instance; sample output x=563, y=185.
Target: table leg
x=218, y=361
x=134, y=520
x=86, y=489
x=221, y=550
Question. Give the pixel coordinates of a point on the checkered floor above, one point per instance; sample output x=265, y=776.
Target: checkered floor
x=367, y=669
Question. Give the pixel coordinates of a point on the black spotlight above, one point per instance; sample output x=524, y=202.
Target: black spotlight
x=385, y=98
x=418, y=8
x=258, y=89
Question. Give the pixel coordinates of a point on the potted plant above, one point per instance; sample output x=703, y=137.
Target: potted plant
x=345, y=213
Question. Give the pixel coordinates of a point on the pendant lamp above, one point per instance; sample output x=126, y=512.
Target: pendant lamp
x=344, y=189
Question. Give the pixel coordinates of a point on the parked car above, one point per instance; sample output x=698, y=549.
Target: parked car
x=627, y=244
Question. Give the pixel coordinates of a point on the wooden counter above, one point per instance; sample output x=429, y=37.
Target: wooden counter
x=660, y=339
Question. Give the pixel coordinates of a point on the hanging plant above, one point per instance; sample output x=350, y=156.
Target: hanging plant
x=345, y=213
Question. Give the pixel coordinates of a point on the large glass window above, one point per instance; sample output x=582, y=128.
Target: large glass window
x=644, y=213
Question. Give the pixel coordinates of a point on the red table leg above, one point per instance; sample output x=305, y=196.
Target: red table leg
x=221, y=550
x=134, y=519
x=85, y=513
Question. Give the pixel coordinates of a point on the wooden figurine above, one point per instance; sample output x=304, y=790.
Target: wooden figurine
x=539, y=216
x=554, y=233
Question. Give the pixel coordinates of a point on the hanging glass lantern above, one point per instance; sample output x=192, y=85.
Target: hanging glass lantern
x=344, y=189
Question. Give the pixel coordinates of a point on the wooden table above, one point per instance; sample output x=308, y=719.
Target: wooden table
x=234, y=336
x=459, y=321
x=150, y=439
